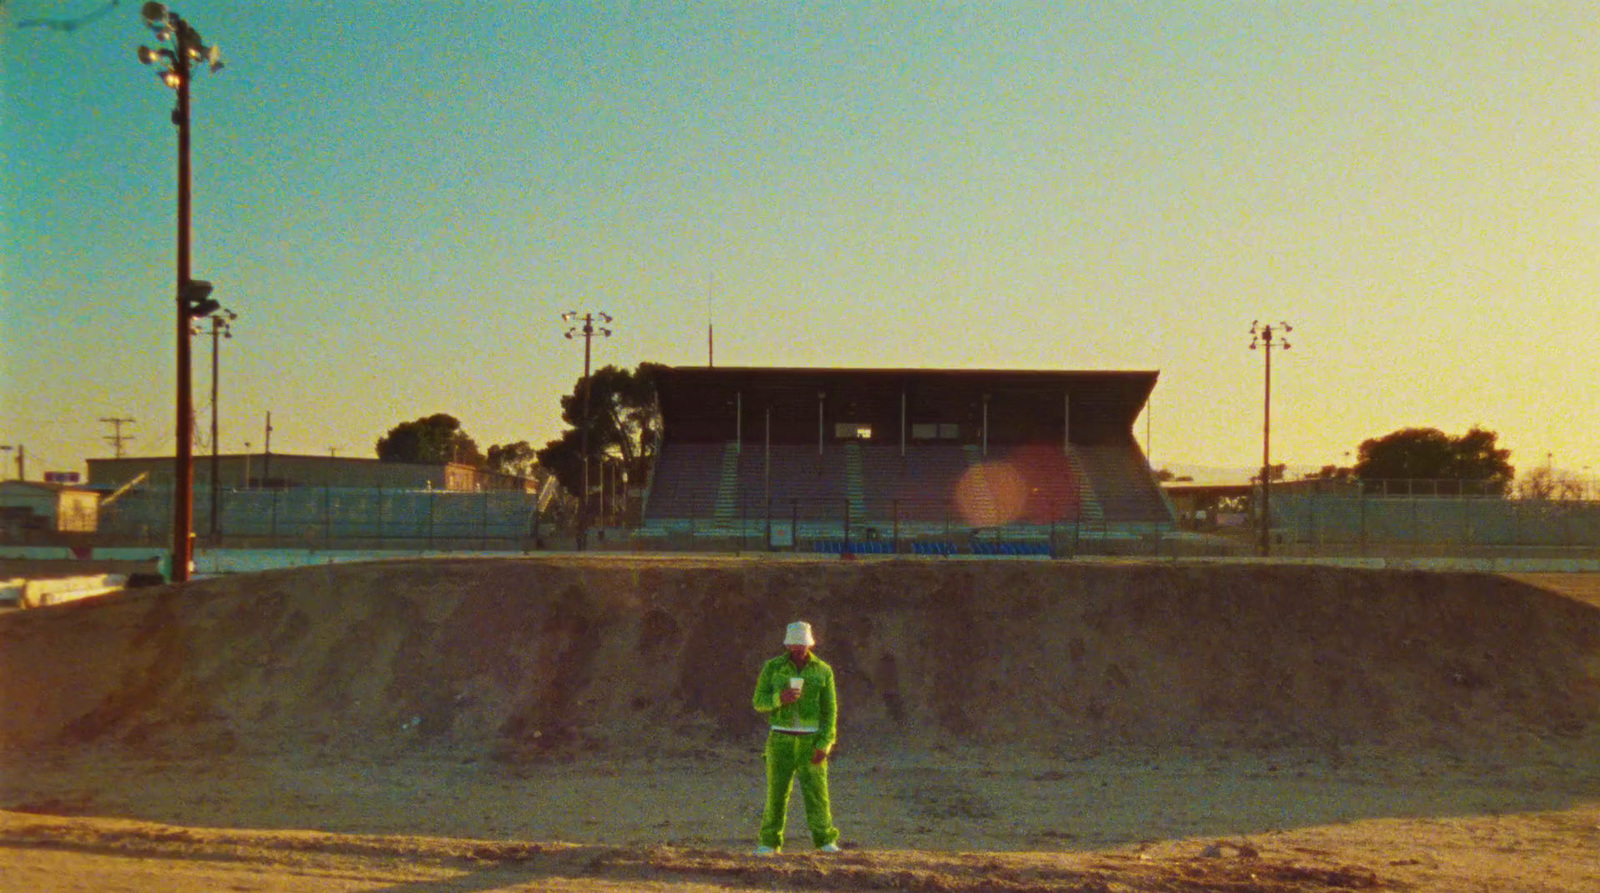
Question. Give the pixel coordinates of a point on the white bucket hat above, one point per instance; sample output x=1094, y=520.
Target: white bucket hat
x=799, y=633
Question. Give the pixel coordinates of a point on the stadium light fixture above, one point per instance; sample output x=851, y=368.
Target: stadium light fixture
x=179, y=47
x=1266, y=337
x=588, y=331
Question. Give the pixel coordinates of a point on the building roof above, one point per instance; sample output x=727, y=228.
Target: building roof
x=1116, y=397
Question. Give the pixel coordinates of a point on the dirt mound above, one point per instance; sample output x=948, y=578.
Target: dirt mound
x=551, y=655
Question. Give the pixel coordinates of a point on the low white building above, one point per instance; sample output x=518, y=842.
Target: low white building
x=33, y=505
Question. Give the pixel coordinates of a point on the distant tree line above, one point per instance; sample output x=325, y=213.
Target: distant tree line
x=624, y=427
x=1430, y=454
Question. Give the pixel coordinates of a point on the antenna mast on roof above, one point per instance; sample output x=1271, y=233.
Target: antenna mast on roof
x=711, y=338
x=116, y=438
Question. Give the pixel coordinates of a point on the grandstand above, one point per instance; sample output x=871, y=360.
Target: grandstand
x=835, y=457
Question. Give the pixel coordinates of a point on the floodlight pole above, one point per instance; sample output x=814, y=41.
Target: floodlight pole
x=588, y=331
x=1263, y=336
x=186, y=47
x=183, y=494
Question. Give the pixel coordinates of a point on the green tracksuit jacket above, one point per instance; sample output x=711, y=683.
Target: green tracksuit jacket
x=817, y=710
x=790, y=756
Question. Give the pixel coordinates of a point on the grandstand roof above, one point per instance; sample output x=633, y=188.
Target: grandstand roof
x=1101, y=402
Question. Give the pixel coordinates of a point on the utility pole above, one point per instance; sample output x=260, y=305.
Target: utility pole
x=1263, y=335
x=116, y=438
x=587, y=331
x=220, y=328
x=266, y=458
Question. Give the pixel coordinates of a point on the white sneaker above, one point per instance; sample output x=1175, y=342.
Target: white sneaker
x=765, y=850
x=828, y=848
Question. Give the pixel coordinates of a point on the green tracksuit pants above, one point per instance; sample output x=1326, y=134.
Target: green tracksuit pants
x=788, y=756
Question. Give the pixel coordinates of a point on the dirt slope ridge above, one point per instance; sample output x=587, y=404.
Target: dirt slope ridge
x=525, y=656
x=485, y=864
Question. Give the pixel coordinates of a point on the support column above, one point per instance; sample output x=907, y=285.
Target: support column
x=902, y=423
x=819, y=423
x=985, y=426
x=1066, y=423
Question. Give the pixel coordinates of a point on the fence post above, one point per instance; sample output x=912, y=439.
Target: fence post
x=1361, y=502
x=894, y=511
x=1310, y=502
x=533, y=527
x=847, y=525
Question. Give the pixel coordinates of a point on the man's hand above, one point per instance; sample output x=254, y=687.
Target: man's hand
x=818, y=756
x=788, y=695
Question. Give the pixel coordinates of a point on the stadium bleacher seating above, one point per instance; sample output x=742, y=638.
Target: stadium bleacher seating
x=881, y=487
x=1123, y=484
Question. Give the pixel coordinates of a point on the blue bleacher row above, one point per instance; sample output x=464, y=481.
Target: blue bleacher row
x=927, y=547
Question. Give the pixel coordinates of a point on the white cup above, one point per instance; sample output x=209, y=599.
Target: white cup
x=796, y=683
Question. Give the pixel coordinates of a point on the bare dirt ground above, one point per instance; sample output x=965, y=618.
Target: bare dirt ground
x=584, y=725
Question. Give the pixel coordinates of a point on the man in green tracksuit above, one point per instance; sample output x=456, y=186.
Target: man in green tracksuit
x=796, y=692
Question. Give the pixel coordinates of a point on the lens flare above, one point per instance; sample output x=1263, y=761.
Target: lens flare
x=990, y=494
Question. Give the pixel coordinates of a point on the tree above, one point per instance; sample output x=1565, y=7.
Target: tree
x=512, y=458
x=1275, y=472
x=430, y=440
x=1547, y=484
x=624, y=426
x=1431, y=454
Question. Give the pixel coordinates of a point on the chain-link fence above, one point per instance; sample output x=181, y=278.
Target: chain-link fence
x=367, y=518
x=1340, y=523
x=909, y=526
x=335, y=517
x=1387, y=518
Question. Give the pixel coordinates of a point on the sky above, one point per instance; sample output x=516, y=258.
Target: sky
x=400, y=199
